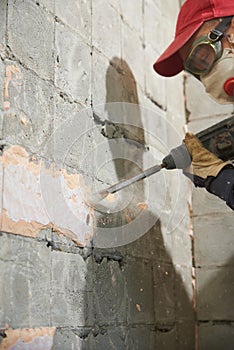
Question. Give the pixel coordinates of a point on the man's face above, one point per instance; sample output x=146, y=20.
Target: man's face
x=212, y=62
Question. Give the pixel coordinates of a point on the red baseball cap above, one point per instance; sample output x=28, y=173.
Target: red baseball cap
x=192, y=15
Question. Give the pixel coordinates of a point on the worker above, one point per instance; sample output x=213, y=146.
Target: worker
x=204, y=46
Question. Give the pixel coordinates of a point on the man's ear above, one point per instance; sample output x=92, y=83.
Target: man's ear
x=232, y=22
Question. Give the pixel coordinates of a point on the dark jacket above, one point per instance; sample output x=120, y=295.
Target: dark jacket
x=223, y=186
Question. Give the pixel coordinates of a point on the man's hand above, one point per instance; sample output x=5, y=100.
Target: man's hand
x=205, y=165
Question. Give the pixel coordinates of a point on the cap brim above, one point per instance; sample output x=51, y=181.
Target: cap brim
x=170, y=62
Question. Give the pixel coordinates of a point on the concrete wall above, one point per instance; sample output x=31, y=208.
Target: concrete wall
x=82, y=109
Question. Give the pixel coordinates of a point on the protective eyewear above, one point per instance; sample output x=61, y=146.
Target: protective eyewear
x=207, y=49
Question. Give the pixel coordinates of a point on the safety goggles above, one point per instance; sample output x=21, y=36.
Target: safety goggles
x=207, y=49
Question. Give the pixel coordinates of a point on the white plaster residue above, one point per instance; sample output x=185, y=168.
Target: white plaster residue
x=22, y=195
x=65, y=204
x=35, y=197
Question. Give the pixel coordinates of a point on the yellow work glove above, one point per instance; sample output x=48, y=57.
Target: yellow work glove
x=204, y=163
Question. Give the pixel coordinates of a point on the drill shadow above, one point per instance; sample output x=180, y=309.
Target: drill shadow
x=135, y=297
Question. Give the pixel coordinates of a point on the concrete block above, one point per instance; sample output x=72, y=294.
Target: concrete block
x=3, y=14
x=127, y=225
x=215, y=290
x=213, y=239
x=47, y=4
x=132, y=13
x=185, y=335
x=113, y=83
x=29, y=120
x=139, y=286
x=106, y=32
x=150, y=246
x=69, y=290
x=98, y=159
x=205, y=203
x=175, y=103
x=139, y=338
x=174, y=217
x=169, y=11
x=109, y=339
x=76, y=15
x=31, y=36
x=2, y=77
x=65, y=110
x=181, y=243
x=65, y=339
x=216, y=336
x=179, y=336
x=116, y=4
x=155, y=126
x=153, y=29
x=184, y=293
x=206, y=107
x=198, y=125
x=155, y=84
x=104, y=80
x=72, y=142
x=168, y=21
x=73, y=67
x=1, y=187
x=166, y=337
x=164, y=292
x=25, y=276
x=133, y=53
x=109, y=292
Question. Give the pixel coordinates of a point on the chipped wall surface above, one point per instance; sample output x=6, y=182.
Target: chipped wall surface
x=38, y=338
x=81, y=109
x=27, y=198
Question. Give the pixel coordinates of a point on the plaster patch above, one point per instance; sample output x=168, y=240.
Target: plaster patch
x=28, y=339
x=20, y=227
x=37, y=197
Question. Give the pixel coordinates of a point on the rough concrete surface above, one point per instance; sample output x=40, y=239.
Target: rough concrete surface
x=81, y=108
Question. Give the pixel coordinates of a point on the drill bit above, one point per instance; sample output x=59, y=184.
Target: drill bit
x=96, y=197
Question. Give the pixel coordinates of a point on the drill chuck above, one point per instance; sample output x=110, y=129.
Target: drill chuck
x=178, y=158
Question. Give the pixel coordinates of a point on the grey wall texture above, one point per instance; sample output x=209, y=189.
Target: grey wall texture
x=82, y=109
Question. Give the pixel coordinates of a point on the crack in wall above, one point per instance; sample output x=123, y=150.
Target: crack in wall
x=113, y=130
x=109, y=256
x=156, y=103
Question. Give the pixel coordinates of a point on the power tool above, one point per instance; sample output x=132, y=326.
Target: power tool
x=218, y=139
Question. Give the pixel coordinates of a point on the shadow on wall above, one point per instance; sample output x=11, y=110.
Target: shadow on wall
x=215, y=301
x=135, y=298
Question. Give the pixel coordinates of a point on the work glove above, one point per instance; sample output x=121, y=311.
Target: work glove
x=205, y=165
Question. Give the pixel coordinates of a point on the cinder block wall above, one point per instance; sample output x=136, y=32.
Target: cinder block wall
x=70, y=275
